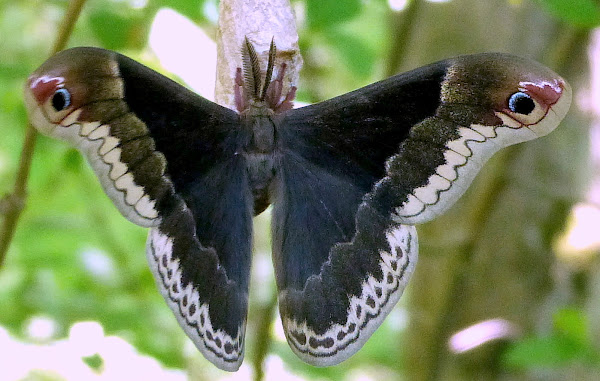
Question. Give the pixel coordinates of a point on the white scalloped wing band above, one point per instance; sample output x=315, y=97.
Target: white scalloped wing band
x=218, y=347
x=466, y=155
x=367, y=311
x=102, y=151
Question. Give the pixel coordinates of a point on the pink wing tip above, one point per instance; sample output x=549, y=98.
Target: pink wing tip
x=44, y=87
x=545, y=93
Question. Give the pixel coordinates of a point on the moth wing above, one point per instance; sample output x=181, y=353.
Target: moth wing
x=166, y=157
x=358, y=171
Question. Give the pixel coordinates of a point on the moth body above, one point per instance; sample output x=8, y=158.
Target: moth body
x=259, y=151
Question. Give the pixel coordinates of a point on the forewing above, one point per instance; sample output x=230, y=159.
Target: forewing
x=166, y=157
x=359, y=170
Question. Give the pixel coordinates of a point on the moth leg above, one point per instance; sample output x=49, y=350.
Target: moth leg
x=275, y=90
x=241, y=102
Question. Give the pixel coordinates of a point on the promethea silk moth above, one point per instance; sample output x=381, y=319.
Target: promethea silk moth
x=348, y=178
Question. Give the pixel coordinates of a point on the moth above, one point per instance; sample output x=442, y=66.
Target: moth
x=348, y=179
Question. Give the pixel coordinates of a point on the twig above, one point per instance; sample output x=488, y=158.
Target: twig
x=67, y=26
x=262, y=337
x=401, y=28
x=15, y=201
x=260, y=21
x=561, y=52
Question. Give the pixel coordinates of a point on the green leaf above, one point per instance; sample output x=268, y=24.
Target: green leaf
x=581, y=13
x=120, y=28
x=572, y=324
x=355, y=53
x=94, y=361
x=566, y=344
x=192, y=9
x=325, y=14
x=547, y=352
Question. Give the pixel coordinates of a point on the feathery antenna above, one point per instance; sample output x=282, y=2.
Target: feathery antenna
x=270, y=65
x=251, y=69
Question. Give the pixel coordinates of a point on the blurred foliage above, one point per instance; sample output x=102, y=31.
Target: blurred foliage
x=582, y=13
x=75, y=258
x=117, y=30
x=568, y=343
x=327, y=14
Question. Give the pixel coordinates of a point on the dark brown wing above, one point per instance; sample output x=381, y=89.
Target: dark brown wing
x=166, y=157
x=359, y=170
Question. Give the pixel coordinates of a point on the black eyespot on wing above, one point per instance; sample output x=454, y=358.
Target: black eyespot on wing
x=521, y=103
x=61, y=99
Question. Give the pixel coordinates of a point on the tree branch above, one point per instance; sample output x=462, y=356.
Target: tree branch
x=259, y=21
x=262, y=337
x=14, y=203
x=401, y=27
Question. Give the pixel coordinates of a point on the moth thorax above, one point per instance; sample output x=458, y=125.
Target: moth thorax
x=257, y=108
x=258, y=121
x=260, y=155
